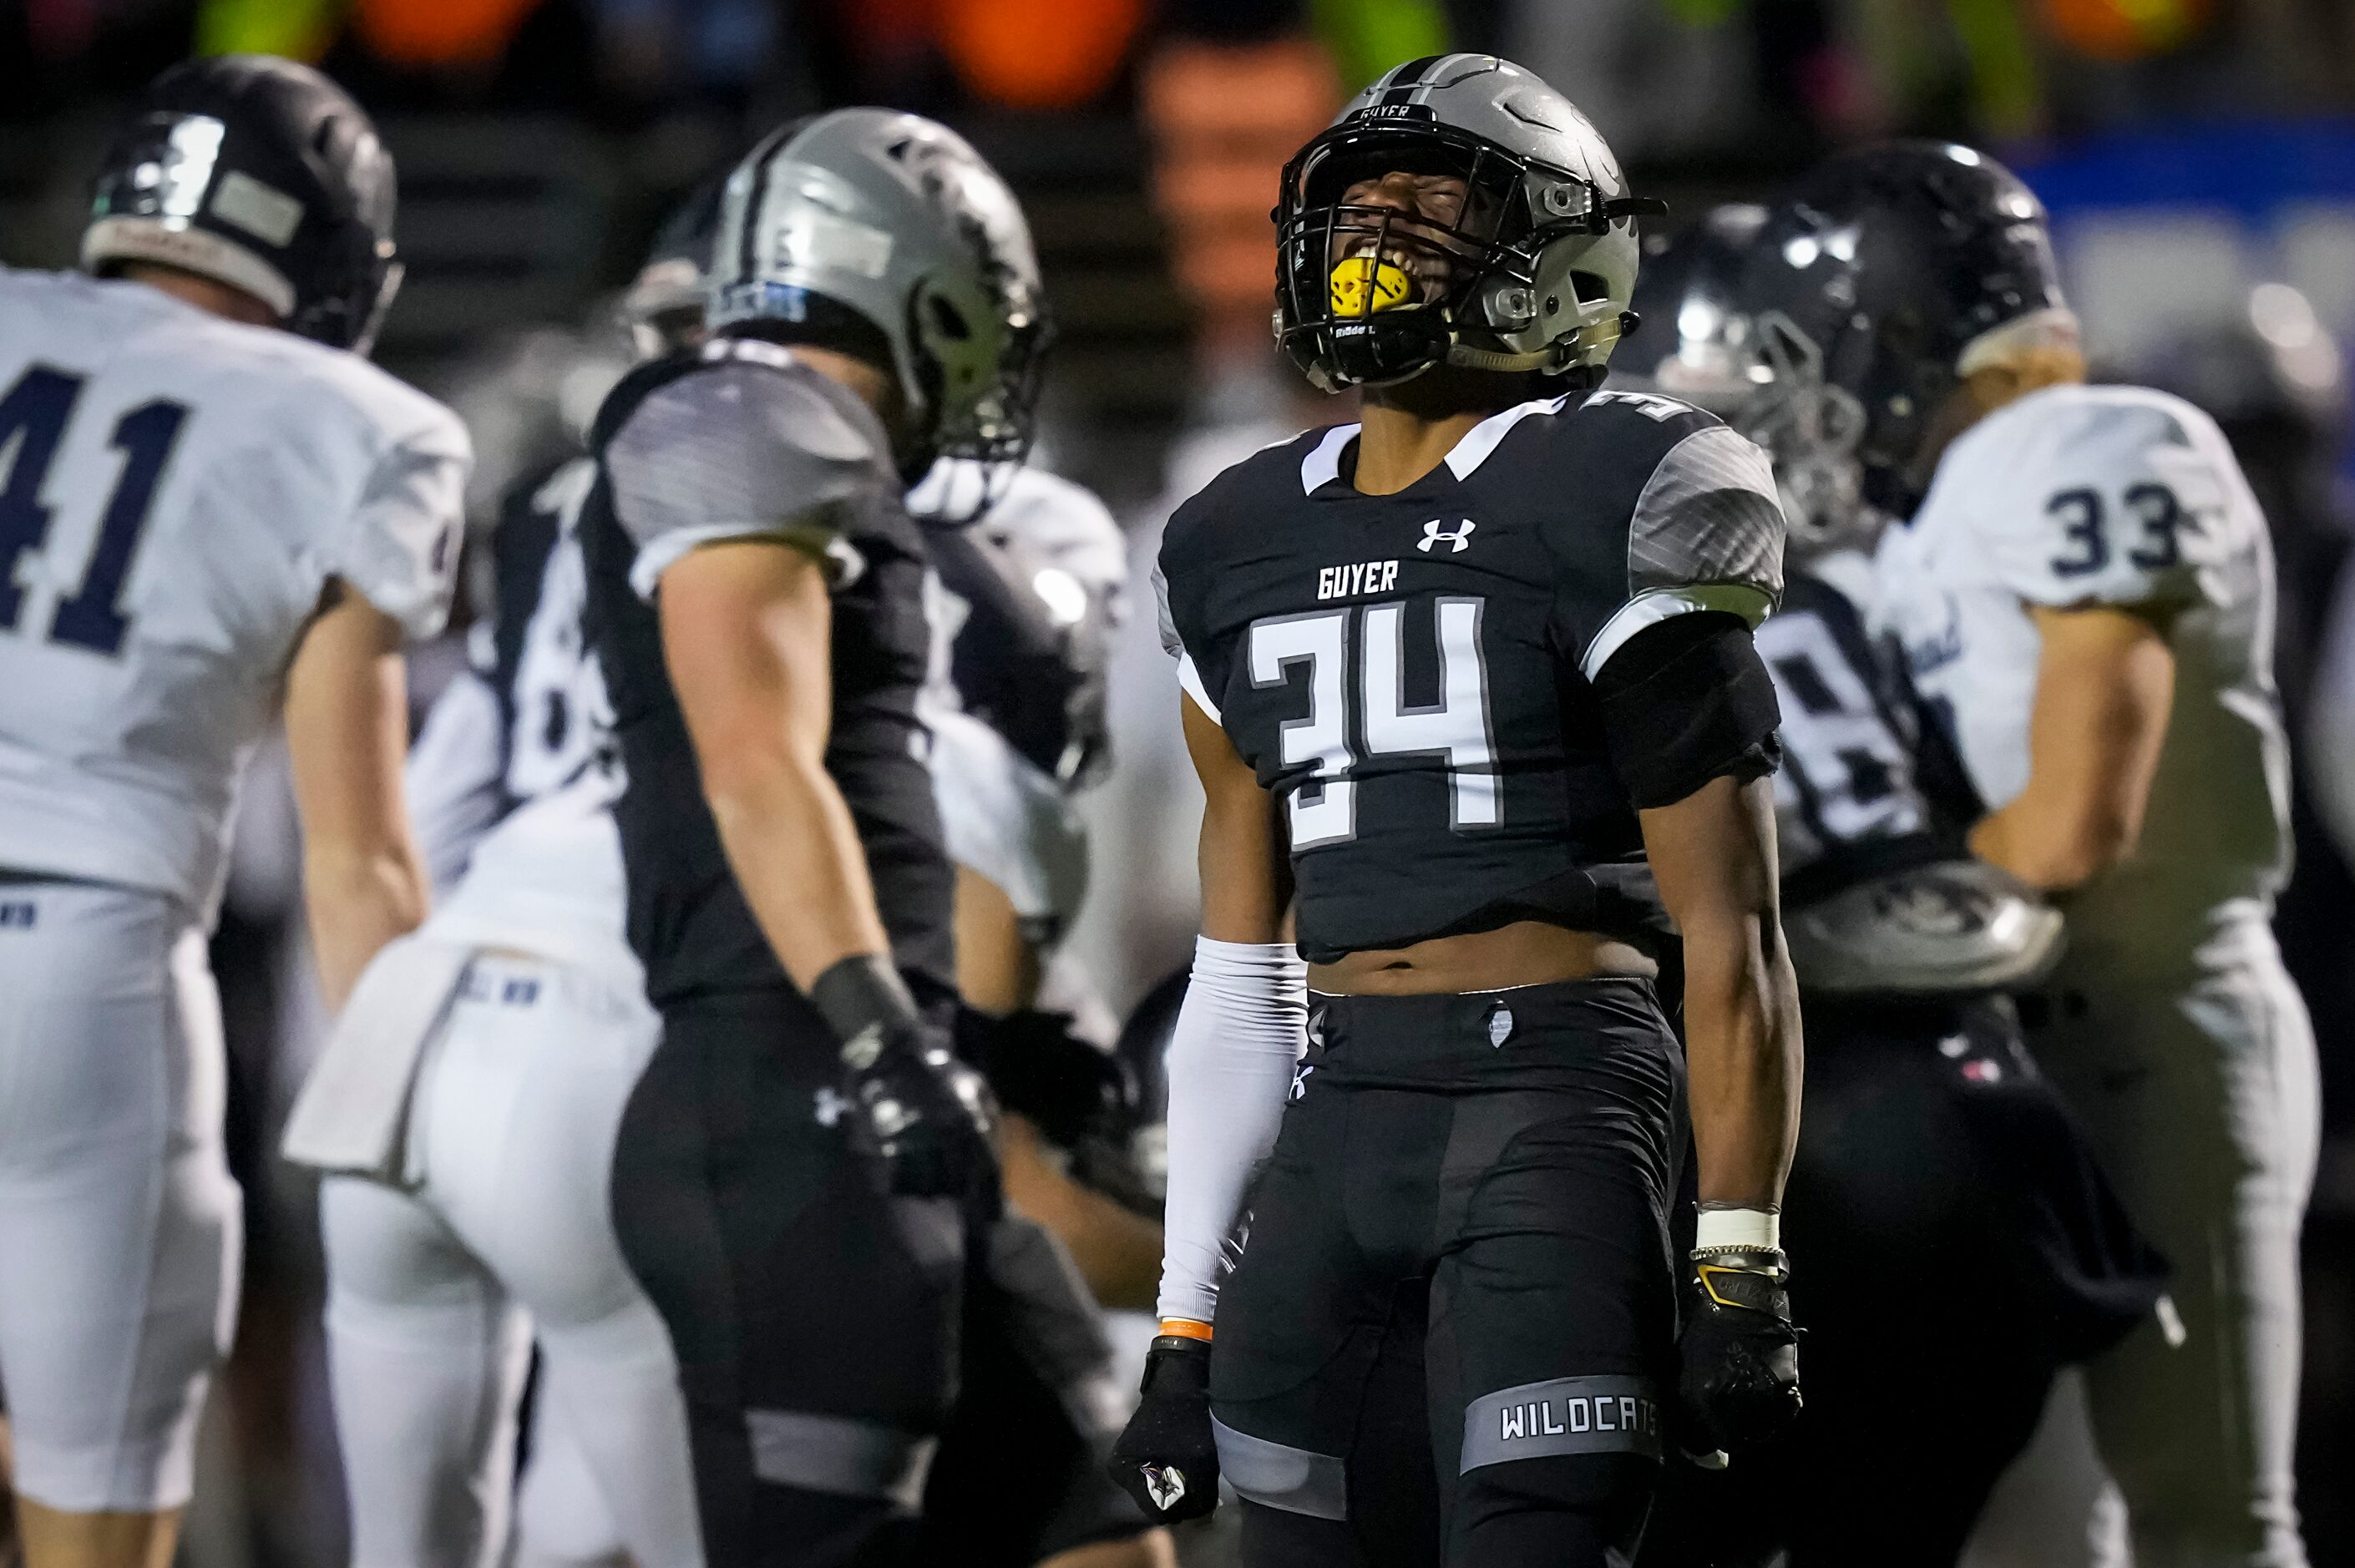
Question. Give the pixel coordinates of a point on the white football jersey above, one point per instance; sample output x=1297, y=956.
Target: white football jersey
x=548, y=879
x=176, y=492
x=2118, y=495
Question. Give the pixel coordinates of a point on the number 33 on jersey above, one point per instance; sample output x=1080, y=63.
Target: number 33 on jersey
x=1410, y=673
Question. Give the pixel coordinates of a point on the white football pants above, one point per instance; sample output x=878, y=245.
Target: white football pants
x=435, y=1295
x=121, y=1234
x=2203, y=1101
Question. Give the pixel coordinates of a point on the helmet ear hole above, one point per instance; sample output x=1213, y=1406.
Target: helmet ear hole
x=1589, y=287
x=947, y=320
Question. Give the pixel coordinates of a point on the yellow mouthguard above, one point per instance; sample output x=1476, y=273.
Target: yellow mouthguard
x=1359, y=276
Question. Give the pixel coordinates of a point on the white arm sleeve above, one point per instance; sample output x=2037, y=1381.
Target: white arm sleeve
x=1240, y=1030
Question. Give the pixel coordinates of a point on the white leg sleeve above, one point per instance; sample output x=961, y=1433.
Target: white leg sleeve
x=1239, y=1034
x=427, y=1356
x=561, y=1519
x=614, y=1394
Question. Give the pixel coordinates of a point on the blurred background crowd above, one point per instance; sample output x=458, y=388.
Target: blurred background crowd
x=2198, y=156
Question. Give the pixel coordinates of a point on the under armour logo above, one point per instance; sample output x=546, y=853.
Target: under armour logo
x=1458, y=541
x=1165, y=1485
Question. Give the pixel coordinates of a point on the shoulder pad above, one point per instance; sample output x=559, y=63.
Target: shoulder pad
x=1283, y=472
x=1710, y=513
x=1657, y=407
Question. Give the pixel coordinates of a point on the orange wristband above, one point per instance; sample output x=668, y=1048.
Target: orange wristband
x=1184, y=1329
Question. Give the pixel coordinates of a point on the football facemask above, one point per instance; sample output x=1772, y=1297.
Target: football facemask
x=1407, y=245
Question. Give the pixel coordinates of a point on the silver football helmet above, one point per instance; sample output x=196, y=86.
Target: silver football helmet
x=898, y=224
x=1535, y=273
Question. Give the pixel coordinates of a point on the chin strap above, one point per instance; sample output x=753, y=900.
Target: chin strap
x=1471, y=358
x=1597, y=337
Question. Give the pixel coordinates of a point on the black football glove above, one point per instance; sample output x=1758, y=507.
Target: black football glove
x=1740, y=1351
x=921, y=1115
x=1164, y=1458
x=1039, y=1068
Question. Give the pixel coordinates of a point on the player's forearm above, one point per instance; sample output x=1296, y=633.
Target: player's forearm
x=789, y=839
x=2049, y=849
x=2105, y=686
x=358, y=898
x=1744, y=1056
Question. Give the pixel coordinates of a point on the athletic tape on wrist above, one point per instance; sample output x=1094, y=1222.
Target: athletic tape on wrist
x=1749, y=1229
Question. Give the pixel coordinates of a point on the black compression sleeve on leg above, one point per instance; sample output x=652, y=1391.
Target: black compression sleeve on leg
x=1684, y=702
x=1276, y=1538
x=1585, y=1510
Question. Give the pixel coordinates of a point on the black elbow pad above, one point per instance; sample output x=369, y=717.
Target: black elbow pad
x=1684, y=702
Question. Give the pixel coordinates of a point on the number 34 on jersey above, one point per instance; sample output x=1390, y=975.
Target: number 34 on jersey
x=1352, y=663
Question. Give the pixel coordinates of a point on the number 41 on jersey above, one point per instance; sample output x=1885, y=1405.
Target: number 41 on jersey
x=33, y=418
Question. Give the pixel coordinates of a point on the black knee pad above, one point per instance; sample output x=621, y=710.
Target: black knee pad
x=1561, y=1510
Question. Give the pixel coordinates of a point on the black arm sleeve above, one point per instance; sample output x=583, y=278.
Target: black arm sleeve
x=1684, y=702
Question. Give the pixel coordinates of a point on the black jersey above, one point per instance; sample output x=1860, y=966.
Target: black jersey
x=742, y=441
x=1865, y=784
x=556, y=721
x=1413, y=674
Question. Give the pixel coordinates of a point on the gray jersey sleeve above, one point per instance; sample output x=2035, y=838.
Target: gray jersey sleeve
x=1707, y=534
x=744, y=451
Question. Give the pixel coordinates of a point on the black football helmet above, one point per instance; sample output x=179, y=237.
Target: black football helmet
x=1041, y=579
x=1704, y=340
x=662, y=306
x=1884, y=268
x=261, y=174
x=1694, y=342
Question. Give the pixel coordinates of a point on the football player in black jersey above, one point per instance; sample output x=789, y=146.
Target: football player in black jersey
x=1471, y=690
x=1933, y=1148
x=802, y=1161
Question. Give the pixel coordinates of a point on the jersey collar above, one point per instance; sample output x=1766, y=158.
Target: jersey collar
x=1322, y=465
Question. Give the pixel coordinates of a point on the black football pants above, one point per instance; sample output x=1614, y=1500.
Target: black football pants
x=819, y=1324
x=1952, y=1247
x=1447, y=1339
x=816, y=1321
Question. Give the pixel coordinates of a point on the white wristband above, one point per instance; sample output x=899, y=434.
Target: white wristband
x=1751, y=1228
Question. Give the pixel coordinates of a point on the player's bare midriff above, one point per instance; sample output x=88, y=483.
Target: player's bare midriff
x=1527, y=952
